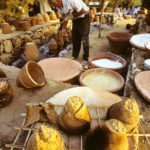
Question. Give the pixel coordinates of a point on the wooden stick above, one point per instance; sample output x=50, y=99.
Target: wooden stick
x=15, y=146
x=140, y=135
x=25, y=128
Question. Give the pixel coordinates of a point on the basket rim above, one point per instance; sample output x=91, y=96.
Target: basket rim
x=120, y=78
x=26, y=68
x=93, y=57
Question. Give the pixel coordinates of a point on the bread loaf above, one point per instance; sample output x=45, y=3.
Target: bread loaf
x=126, y=111
x=46, y=138
x=75, y=118
x=111, y=135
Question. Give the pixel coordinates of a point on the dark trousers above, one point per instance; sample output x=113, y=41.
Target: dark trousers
x=80, y=32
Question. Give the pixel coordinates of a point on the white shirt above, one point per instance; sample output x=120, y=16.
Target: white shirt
x=124, y=11
x=117, y=11
x=70, y=5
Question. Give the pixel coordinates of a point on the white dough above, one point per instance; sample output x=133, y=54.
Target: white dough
x=106, y=63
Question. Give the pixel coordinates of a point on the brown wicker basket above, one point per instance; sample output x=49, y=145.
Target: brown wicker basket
x=119, y=41
x=46, y=17
x=33, y=21
x=58, y=14
x=39, y=19
x=53, y=16
x=6, y=29
x=25, y=25
x=31, y=52
x=31, y=75
x=6, y=92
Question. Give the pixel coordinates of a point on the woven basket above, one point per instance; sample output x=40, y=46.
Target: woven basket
x=6, y=29
x=60, y=40
x=58, y=14
x=31, y=75
x=25, y=25
x=53, y=46
x=96, y=18
x=31, y=52
x=6, y=98
x=6, y=92
x=119, y=41
x=33, y=21
x=39, y=19
x=94, y=10
x=16, y=24
x=66, y=37
x=46, y=17
x=53, y=16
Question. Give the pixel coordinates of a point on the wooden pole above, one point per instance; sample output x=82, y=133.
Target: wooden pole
x=101, y=16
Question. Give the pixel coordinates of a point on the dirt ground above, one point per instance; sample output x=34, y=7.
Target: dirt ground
x=10, y=115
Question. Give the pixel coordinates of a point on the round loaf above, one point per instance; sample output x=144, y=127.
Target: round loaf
x=45, y=138
x=111, y=135
x=74, y=118
x=126, y=111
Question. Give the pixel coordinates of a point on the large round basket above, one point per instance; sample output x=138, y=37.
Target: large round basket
x=107, y=71
x=61, y=69
x=109, y=56
x=119, y=41
x=31, y=75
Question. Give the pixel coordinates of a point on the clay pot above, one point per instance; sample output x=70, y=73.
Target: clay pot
x=58, y=14
x=53, y=15
x=33, y=21
x=39, y=19
x=53, y=46
x=109, y=56
x=94, y=10
x=25, y=25
x=107, y=71
x=31, y=52
x=96, y=18
x=46, y=17
x=31, y=75
x=6, y=29
x=119, y=41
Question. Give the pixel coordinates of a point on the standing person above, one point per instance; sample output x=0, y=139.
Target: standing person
x=81, y=25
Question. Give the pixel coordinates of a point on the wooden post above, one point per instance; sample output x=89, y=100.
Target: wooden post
x=101, y=16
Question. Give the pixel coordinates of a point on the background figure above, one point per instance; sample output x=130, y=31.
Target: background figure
x=124, y=11
x=136, y=9
x=118, y=11
x=44, y=7
x=131, y=12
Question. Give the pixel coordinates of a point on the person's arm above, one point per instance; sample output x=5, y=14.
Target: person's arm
x=76, y=14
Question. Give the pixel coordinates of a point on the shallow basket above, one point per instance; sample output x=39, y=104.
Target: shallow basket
x=31, y=75
x=119, y=41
